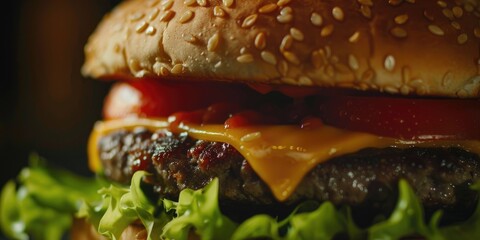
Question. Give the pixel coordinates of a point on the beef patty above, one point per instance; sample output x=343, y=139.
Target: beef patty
x=366, y=180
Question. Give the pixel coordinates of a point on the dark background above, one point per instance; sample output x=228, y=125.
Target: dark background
x=46, y=106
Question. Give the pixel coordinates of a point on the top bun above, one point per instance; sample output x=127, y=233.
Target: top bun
x=419, y=47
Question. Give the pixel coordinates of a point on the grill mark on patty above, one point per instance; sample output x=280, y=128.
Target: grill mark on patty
x=366, y=180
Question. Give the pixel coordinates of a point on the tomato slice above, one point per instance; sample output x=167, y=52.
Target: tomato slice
x=404, y=118
x=161, y=98
x=238, y=105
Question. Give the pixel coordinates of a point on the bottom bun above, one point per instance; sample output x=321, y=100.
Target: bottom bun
x=83, y=230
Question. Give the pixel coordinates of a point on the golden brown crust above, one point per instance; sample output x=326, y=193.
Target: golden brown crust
x=398, y=46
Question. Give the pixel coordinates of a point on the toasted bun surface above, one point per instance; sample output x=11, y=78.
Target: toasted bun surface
x=82, y=230
x=402, y=46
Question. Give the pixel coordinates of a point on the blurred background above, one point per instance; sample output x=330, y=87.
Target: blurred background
x=46, y=106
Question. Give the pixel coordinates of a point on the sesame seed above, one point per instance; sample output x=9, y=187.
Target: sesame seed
x=136, y=16
x=243, y=50
x=141, y=27
x=389, y=63
x=286, y=43
x=268, y=8
x=457, y=11
x=428, y=15
x=338, y=14
x=245, y=58
x=167, y=16
x=190, y=39
x=448, y=13
x=167, y=4
x=268, y=57
x=189, y=2
x=282, y=3
x=150, y=31
x=296, y=34
x=160, y=69
x=284, y=18
x=327, y=30
x=328, y=51
x=456, y=25
x=228, y=3
x=398, y=32
x=286, y=10
x=283, y=68
x=366, y=11
x=366, y=2
x=436, y=30
x=316, y=19
x=249, y=21
x=304, y=80
x=212, y=43
x=354, y=38
x=353, y=62
x=251, y=137
x=391, y=89
x=260, y=41
x=153, y=14
x=447, y=79
x=291, y=57
x=316, y=59
x=157, y=68
x=202, y=3
x=153, y=3
x=462, y=38
x=177, y=69
x=218, y=11
x=329, y=70
x=442, y=4
x=164, y=71
x=401, y=19
x=186, y=16
x=476, y=32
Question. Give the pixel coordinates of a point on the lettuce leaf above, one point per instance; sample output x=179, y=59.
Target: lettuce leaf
x=42, y=203
x=122, y=206
x=407, y=219
x=198, y=211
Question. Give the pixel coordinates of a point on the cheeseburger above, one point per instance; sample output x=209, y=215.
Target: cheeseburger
x=288, y=119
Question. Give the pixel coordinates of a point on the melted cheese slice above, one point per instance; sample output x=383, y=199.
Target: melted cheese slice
x=280, y=154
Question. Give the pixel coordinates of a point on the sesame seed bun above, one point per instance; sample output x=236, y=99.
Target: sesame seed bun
x=398, y=46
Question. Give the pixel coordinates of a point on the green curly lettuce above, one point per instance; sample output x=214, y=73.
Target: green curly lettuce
x=121, y=207
x=43, y=202
x=43, y=195
x=198, y=211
